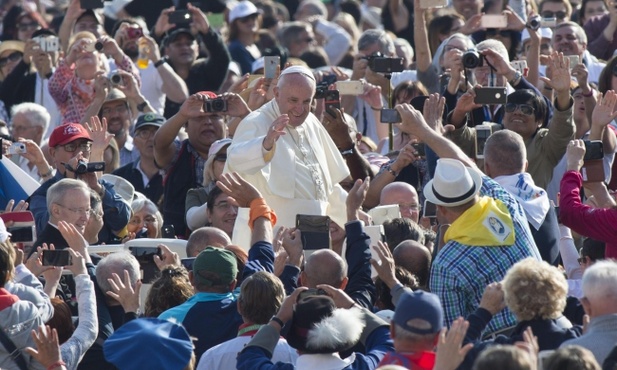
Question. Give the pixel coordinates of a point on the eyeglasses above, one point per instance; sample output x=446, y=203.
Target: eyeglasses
x=85, y=212
x=22, y=128
x=147, y=220
x=220, y=157
x=524, y=108
x=448, y=48
x=145, y=134
x=71, y=147
x=559, y=15
x=121, y=109
x=14, y=57
x=28, y=26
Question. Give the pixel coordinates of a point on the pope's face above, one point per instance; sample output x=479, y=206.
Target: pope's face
x=294, y=95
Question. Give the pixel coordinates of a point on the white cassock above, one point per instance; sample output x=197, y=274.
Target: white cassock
x=303, y=174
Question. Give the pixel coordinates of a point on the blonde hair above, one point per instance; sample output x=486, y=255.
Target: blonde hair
x=534, y=289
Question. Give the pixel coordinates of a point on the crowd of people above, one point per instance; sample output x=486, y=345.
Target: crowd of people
x=355, y=184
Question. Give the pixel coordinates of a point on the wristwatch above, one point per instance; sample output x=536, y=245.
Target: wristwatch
x=141, y=106
x=517, y=77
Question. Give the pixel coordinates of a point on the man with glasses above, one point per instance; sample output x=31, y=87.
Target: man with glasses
x=403, y=195
x=67, y=145
x=525, y=114
x=570, y=39
x=67, y=200
x=559, y=9
x=143, y=173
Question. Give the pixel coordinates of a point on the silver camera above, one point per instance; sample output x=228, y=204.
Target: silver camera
x=48, y=44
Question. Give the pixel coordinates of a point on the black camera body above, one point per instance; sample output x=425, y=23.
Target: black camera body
x=85, y=167
x=215, y=105
x=381, y=64
x=472, y=59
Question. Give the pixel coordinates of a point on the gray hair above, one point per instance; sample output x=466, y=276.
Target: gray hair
x=403, y=334
x=505, y=151
x=405, y=48
x=141, y=203
x=578, y=30
x=600, y=280
x=496, y=46
x=316, y=7
x=36, y=114
x=117, y=263
x=56, y=192
x=374, y=36
x=442, y=49
x=288, y=34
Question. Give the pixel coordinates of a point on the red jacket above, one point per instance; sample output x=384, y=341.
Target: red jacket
x=596, y=223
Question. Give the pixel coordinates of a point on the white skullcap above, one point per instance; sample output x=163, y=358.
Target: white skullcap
x=299, y=69
x=257, y=65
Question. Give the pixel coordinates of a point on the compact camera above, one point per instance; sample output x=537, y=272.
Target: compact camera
x=538, y=22
x=115, y=78
x=378, y=63
x=48, y=44
x=472, y=59
x=134, y=33
x=215, y=105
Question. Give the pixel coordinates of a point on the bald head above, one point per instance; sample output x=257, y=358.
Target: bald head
x=405, y=196
x=414, y=257
x=505, y=154
x=324, y=267
x=204, y=237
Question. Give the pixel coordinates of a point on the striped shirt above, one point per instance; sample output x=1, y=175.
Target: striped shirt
x=460, y=272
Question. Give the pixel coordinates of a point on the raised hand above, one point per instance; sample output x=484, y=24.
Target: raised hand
x=340, y=298
x=123, y=292
x=292, y=244
x=276, y=130
x=236, y=187
x=338, y=129
x=560, y=69
x=450, y=354
x=355, y=198
x=604, y=111
x=385, y=266
x=168, y=258
x=575, y=154
x=412, y=120
x=162, y=23
x=47, y=350
x=236, y=106
x=193, y=107
x=433, y=112
x=493, y=298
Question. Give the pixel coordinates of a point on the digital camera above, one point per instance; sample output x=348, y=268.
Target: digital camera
x=215, y=105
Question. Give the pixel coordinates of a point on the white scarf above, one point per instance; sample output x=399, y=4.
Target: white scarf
x=532, y=198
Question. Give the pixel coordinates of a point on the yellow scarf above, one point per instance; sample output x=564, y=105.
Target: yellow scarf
x=487, y=224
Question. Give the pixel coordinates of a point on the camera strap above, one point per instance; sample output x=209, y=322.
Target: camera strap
x=14, y=353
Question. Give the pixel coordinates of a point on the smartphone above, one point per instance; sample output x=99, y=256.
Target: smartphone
x=483, y=132
x=594, y=149
x=17, y=148
x=390, y=115
x=270, y=64
x=574, y=60
x=381, y=214
x=332, y=99
x=593, y=171
x=350, y=87
x=491, y=95
x=428, y=4
x=494, y=21
x=315, y=231
x=311, y=293
x=58, y=257
x=180, y=17
x=188, y=263
x=168, y=232
x=557, y=213
x=145, y=254
x=91, y=4
x=429, y=210
x=21, y=234
x=420, y=149
x=520, y=66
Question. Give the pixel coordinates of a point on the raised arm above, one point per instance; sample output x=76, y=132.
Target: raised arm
x=420, y=37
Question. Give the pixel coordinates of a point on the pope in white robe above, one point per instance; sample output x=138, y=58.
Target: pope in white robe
x=286, y=153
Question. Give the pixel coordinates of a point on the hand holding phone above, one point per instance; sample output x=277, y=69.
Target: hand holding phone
x=494, y=21
x=315, y=231
x=180, y=17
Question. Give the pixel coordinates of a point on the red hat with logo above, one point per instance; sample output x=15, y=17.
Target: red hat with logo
x=67, y=133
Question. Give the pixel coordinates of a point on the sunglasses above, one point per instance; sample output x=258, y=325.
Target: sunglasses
x=524, y=108
x=559, y=15
x=28, y=26
x=14, y=57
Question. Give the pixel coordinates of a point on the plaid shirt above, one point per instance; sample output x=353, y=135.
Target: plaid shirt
x=461, y=272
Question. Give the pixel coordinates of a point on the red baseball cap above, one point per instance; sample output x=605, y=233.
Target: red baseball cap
x=67, y=133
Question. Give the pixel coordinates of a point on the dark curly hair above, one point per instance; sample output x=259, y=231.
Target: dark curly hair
x=171, y=289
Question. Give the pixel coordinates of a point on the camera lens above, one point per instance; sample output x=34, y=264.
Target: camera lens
x=472, y=59
x=218, y=105
x=98, y=46
x=82, y=167
x=115, y=79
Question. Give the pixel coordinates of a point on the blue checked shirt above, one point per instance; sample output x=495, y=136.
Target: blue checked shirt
x=460, y=272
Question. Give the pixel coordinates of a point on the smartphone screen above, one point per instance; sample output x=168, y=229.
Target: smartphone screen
x=310, y=293
x=58, y=257
x=390, y=115
x=21, y=234
x=482, y=134
x=315, y=231
x=332, y=100
x=188, y=263
x=429, y=210
x=145, y=254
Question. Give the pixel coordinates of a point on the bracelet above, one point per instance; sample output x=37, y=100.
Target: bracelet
x=588, y=95
x=56, y=364
x=48, y=173
x=347, y=152
x=276, y=320
x=373, y=108
x=160, y=62
x=388, y=168
x=259, y=208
